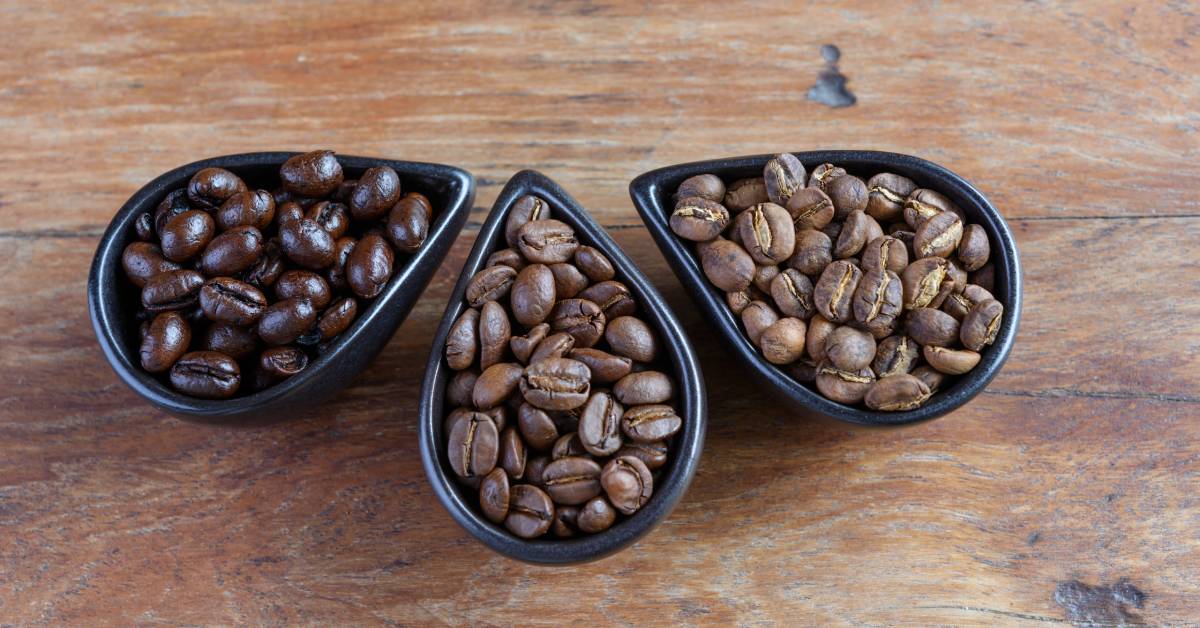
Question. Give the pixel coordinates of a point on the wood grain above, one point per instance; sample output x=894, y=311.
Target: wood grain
x=1074, y=471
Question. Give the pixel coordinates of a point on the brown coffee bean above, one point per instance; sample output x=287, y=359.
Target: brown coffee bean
x=594, y=264
x=523, y=346
x=494, y=494
x=737, y=301
x=606, y=368
x=848, y=387
x=526, y=209
x=227, y=300
x=727, y=265
x=885, y=252
x=143, y=260
x=632, y=338
x=306, y=243
x=985, y=277
x=930, y=377
x=173, y=204
x=650, y=423
x=284, y=321
x=580, y=318
x=172, y=290
x=922, y=280
x=699, y=219
x=600, y=424
x=973, y=248
x=494, y=333
x=490, y=284
x=279, y=363
x=211, y=187
x=814, y=251
x=613, y=297
x=556, y=345
x=653, y=455
x=767, y=233
x=572, y=480
x=938, y=236
x=186, y=234
x=706, y=186
x=818, y=332
x=568, y=280
x=206, y=374
x=924, y=204
x=897, y=393
x=532, y=294
x=555, y=383
x=783, y=342
x=567, y=445
x=530, y=512
x=512, y=453
x=507, y=257
x=303, y=283
x=792, y=292
x=408, y=223
x=267, y=269
x=235, y=342
x=314, y=174
x=627, y=483
x=928, y=326
x=895, y=355
x=536, y=427
x=951, y=361
x=783, y=175
x=473, y=446
x=756, y=318
x=853, y=235
x=644, y=387
x=462, y=342
x=849, y=349
x=377, y=190
x=547, y=241
x=369, y=266
x=248, y=208
x=288, y=212
x=333, y=217
x=959, y=304
x=833, y=295
x=496, y=384
x=597, y=515
x=462, y=384
x=848, y=194
x=232, y=252
x=823, y=175
x=810, y=208
x=981, y=325
x=745, y=193
x=886, y=195
x=165, y=341
x=879, y=302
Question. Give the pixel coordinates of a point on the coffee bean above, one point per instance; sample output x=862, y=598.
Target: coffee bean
x=930, y=377
x=613, y=297
x=699, y=219
x=627, y=483
x=530, y=512
x=924, y=204
x=173, y=204
x=973, y=248
x=369, y=266
x=600, y=424
x=886, y=195
x=572, y=480
x=819, y=329
x=895, y=355
x=232, y=252
x=833, y=295
x=494, y=334
x=555, y=383
x=497, y=383
x=632, y=338
x=810, y=208
x=462, y=383
x=737, y=301
x=303, y=283
x=523, y=346
x=960, y=303
x=206, y=374
x=143, y=260
x=803, y=370
x=378, y=189
x=494, y=495
x=938, y=236
x=879, y=302
x=473, y=446
x=783, y=342
x=306, y=243
x=580, y=318
x=745, y=193
x=928, y=326
x=185, y=235
x=232, y=340
x=823, y=175
x=462, y=343
x=922, y=280
x=547, y=241
x=644, y=387
x=556, y=345
x=568, y=444
x=526, y=209
x=848, y=387
x=165, y=341
x=783, y=175
x=226, y=300
x=568, y=280
x=653, y=455
x=848, y=194
x=897, y=393
x=767, y=233
x=211, y=187
x=951, y=361
x=597, y=515
x=408, y=224
x=332, y=216
x=172, y=290
x=849, y=349
x=288, y=212
x=534, y=467
x=532, y=294
x=650, y=423
x=727, y=265
x=813, y=252
x=606, y=368
x=706, y=186
x=248, y=208
x=315, y=173
x=756, y=318
x=267, y=269
x=985, y=277
x=284, y=321
x=981, y=325
x=512, y=453
x=885, y=253
x=280, y=363
x=536, y=427
x=490, y=284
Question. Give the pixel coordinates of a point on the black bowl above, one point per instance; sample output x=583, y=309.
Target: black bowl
x=112, y=298
x=673, y=478
x=652, y=192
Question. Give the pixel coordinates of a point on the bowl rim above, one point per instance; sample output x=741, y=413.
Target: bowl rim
x=691, y=391
x=106, y=262
x=650, y=188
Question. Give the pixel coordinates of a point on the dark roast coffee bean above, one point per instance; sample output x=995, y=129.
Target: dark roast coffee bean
x=377, y=191
x=512, y=453
x=756, y=318
x=886, y=195
x=547, y=241
x=211, y=187
x=854, y=234
x=306, y=243
x=879, y=302
x=823, y=175
x=303, y=283
x=833, y=295
x=507, y=257
x=494, y=334
x=580, y=318
x=490, y=284
x=332, y=216
x=556, y=345
x=408, y=224
x=172, y=290
x=922, y=280
x=523, y=346
x=227, y=300
x=981, y=325
x=462, y=383
x=606, y=368
x=600, y=424
x=727, y=265
x=536, y=427
x=497, y=383
x=897, y=393
x=646, y=387
x=556, y=383
x=567, y=445
x=235, y=342
x=285, y=213
x=783, y=342
x=783, y=175
x=632, y=338
x=705, y=186
x=572, y=480
x=232, y=252
x=627, y=483
x=848, y=387
x=248, y=208
x=462, y=343
x=206, y=374
x=973, y=248
x=699, y=219
x=745, y=193
x=265, y=271
x=767, y=233
x=597, y=515
x=165, y=341
x=885, y=252
x=849, y=349
x=172, y=205
x=950, y=361
x=568, y=280
x=530, y=512
x=813, y=252
x=369, y=266
x=143, y=226
x=526, y=209
x=650, y=423
x=143, y=260
x=928, y=327
x=532, y=294
x=939, y=236
x=473, y=446
x=895, y=355
x=810, y=208
x=315, y=173
x=284, y=321
x=280, y=363
x=653, y=455
x=613, y=297
x=848, y=194
x=185, y=235
x=494, y=495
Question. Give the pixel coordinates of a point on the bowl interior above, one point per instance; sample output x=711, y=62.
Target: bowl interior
x=671, y=480
x=111, y=296
x=652, y=193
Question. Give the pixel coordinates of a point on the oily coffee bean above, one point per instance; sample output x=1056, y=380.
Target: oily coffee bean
x=165, y=341
x=526, y=209
x=227, y=300
x=284, y=321
x=727, y=265
x=885, y=253
x=206, y=374
x=653, y=455
x=928, y=327
x=939, y=236
x=973, y=248
x=897, y=393
x=369, y=266
x=532, y=294
x=172, y=290
x=523, y=346
x=304, y=283
x=707, y=186
x=512, y=453
x=507, y=257
x=530, y=511
x=232, y=252
x=756, y=318
x=886, y=195
x=627, y=483
x=494, y=333
x=462, y=344
x=981, y=325
x=823, y=175
x=833, y=295
x=782, y=176
x=783, y=342
x=819, y=329
x=248, y=208
x=600, y=424
x=288, y=212
x=650, y=423
x=606, y=368
x=280, y=363
x=895, y=355
x=632, y=338
x=490, y=284
x=848, y=194
x=536, y=427
x=547, y=241
x=408, y=224
x=567, y=445
x=950, y=361
x=810, y=208
x=878, y=302
x=580, y=318
x=332, y=216
x=767, y=233
x=644, y=387
x=173, y=204
x=849, y=349
x=848, y=387
x=211, y=187
x=232, y=340
x=745, y=193
x=266, y=270
x=922, y=280
x=613, y=297
x=556, y=383
x=572, y=480
x=462, y=383
x=497, y=383
x=143, y=260
x=377, y=191
x=556, y=345
x=494, y=495
x=699, y=219
x=313, y=174
x=569, y=281
x=813, y=252
x=473, y=446
x=185, y=235
x=306, y=243
x=597, y=515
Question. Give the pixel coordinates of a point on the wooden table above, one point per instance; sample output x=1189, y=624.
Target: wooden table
x=1067, y=492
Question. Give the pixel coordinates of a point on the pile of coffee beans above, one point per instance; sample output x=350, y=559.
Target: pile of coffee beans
x=876, y=291
x=241, y=288
x=561, y=406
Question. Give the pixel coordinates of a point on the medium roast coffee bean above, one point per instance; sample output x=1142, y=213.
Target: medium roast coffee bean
x=458, y=391
x=895, y=355
x=580, y=318
x=490, y=284
x=885, y=253
x=494, y=334
x=532, y=294
x=211, y=187
x=512, y=453
x=814, y=251
x=283, y=322
x=534, y=467
x=165, y=341
x=645, y=424
x=306, y=243
x=928, y=327
x=856, y=230
x=950, y=361
x=568, y=280
x=280, y=363
x=879, y=302
x=973, y=248
x=823, y=175
x=939, y=236
x=408, y=224
x=833, y=295
x=613, y=297
x=706, y=186
x=627, y=483
x=313, y=174
x=819, y=329
x=369, y=266
x=981, y=325
x=185, y=235
x=922, y=280
x=897, y=393
x=600, y=424
x=727, y=265
x=606, y=368
x=959, y=303
x=526, y=209
x=143, y=260
x=767, y=233
x=378, y=189
x=523, y=346
x=699, y=219
x=848, y=194
x=506, y=257
x=572, y=480
x=792, y=292
x=756, y=318
x=497, y=383
x=653, y=455
x=232, y=252
x=473, y=446
x=530, y=512
x=810, y=208
x=462, y=344
x=494, y=495
x=632, y=338
x=226, y=300
x=567, y=445
x=556, y=345
x=172, y=290
x=206, y=374
x=644, y=387
x=597, y=515
x=555, y=383
x=849, y=349
x=249, y=208
x=783, y=175
x=745, y=193
x=886, y=195
x=783, y=342
x=536, y=427
x=547, y=241
x=848, y=387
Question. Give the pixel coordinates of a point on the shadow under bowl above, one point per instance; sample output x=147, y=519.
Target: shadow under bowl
x=652, y=192
x=672, y=479
x=113, y=299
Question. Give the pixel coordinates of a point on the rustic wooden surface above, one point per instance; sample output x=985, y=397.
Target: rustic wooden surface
x=1067, y=492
